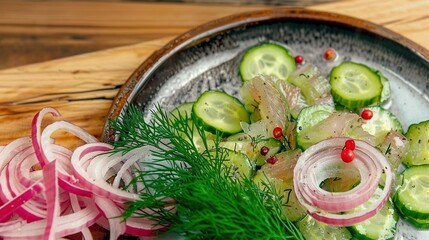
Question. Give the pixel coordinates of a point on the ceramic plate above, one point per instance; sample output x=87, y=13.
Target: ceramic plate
x=207, y=57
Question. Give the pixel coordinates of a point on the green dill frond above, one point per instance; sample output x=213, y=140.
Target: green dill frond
x=209, y=203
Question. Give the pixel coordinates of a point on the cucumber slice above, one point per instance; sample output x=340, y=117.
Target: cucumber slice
x=284, y=188
x=320, y=122
x=418, y=152
x=280, y=175
x=220, y=111
x=243, y=143
x=382, y=122
x=197, y=140
x=355, y=85
x=267, y=59
x=183, y=110
x=341, y=183
x=274, y=147
x=313, y=229
x=412, y=196
x=385, y=94
x=418, y=223
x=380, y=226
x=307, y=118
x=256, y=130
x=239, y=165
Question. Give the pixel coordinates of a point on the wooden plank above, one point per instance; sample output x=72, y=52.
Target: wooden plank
x=406, y=17
x=34, y=31
x=81, y=88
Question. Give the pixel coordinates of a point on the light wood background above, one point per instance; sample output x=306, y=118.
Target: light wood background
x=34, y=30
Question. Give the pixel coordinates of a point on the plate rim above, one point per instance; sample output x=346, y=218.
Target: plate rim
x=215, y=27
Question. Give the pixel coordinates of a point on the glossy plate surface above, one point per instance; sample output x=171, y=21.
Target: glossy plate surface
x=207, y=57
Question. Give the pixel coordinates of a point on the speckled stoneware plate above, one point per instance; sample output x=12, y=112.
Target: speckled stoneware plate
x=207, y=57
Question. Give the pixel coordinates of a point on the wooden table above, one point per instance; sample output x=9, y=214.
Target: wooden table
x=82, y=87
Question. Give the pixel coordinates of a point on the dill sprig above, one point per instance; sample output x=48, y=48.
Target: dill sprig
x=209, y=203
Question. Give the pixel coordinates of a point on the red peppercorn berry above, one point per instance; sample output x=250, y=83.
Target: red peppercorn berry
x=350, y=144
x=272, y=160
x=264, y=150
x=367, y=114
x=330, y=54
x=277, y=132
x=299, y=59
x=347, y=155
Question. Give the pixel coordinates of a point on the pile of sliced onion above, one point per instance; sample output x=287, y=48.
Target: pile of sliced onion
x=322, y=161
x=49, y=191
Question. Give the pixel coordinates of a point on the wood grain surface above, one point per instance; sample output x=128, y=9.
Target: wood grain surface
x=82, y=87
x=33, y=31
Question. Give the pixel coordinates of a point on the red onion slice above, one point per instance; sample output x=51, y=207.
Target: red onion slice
x=44, y=196
x=10, y=225
x=32, y=209
x=36, y=131
x=74, y=201
x=111, y=212
x=96, y=185
x=50, y=178
x=65, y=225
x=322, y=161
x=14, y=204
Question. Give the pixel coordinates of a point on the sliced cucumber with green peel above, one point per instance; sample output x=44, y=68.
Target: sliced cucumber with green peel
x=319, y=122
x=197, y=140
x=418, y=152
x=382, y=122
x=380, y=226
x=385, y=94
x=267, y=59
x=183, y=110
x=307, y=118
x=284, y=188
x=274, y=147
x=355, y=85
x=220, y=111
x=243, y=143
x=412, y=197
x=280, y=175
x=239, y=165
x=313, y=229
x=418, y=223
x=256, y=130
x=341, y=183
x=311, y=115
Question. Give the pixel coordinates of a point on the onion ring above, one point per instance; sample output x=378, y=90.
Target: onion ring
x=47, y=192
x=322, y=161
